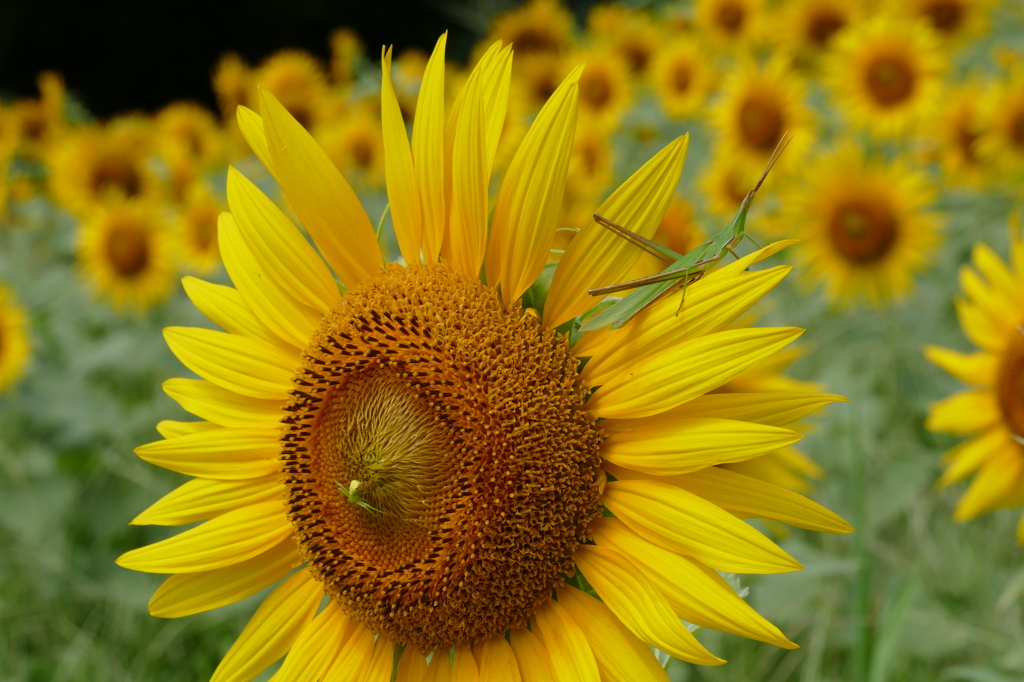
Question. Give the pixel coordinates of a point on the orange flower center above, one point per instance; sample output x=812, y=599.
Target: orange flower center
x=863, y=231
x=730, y=17
x=115, y=174
x=946, y=16
x=890, y=80
x=127, y=249
x=761, y=122
x=441, y=467
x=823, y=25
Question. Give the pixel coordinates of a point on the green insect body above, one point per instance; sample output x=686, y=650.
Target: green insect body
x=688, y=268
x=355, y=497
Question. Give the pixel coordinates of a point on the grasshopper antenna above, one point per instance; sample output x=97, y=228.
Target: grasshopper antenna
x=779, y=148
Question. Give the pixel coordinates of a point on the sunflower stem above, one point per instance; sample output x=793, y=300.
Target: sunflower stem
x=862, y=587
x=380, y=223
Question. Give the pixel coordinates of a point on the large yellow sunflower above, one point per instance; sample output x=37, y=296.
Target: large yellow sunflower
x=758, y=105
x=992, y=409
x=864, y=225
x=124, y=254
x=682, y=77
x=424, y=449
x=885, y=74
x=15, y=345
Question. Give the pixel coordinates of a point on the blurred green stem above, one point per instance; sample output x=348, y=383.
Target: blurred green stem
x=862, y=602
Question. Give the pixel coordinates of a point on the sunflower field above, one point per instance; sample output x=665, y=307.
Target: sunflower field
x=655, y=341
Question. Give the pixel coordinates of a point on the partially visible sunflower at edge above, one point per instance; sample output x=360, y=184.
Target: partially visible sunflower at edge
x=15, y=343
x=807, y=28
x=954, y=136
x=424, y=449
x=864, y=225
x=1002, y=141
x=954, y=21
x=730, y=24
x=195, y=229
x=632, y=34
x=991, y=410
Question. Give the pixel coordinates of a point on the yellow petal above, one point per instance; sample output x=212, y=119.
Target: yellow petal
x=228, y=539
x=220, y=406
x=399, y=172
x=496, y=82
x=676, y=375
x=571, y=657
x=279, y=248
x=685, y=523
x=173, y=429
x=381, y=663
x=696, y=593
x=187, y=593
x=979, y=369
x=621, y=656
x=597, y=257
x=771, y=409
x=464, y=667
x=201, y=499
x=531, y=195
x=999, y=476
x=964, y=413
x=224, y=454
x=978, y=326
x=682, y=446
x=969, y=456
x=413, y=666
x=732, y=268
x=496, y=660
x=639, y=605
x=316, y=646
x=440, y=669
x=279, y=311
x=226, y=308
x=709, y=307
x=249, y=367
x=251, y=125
x=354, y=659
x=748, y=498
x=531, y=656
x=323, y=200
x=470, y=175
x=272, y=630
x=428, y=151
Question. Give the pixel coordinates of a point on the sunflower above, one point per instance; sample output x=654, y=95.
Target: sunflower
x=725, y=183
x=196, y=229
x=864, y=225
x=806, y=28
x=297, y=80
x=15, y=345
x=123, y=253
x=758, y=105
x=355, y=145
x=954, y=21
x=540, y=29
x=630, y=33
x=992, y=409
x=436, y=442
x=41, y=121
x=886, y=74
x=730, y=24
x=956, y=133
x=537, y=79
x=232, y=84
x=1002, y=142
x=346, y=51
x=185, y=128
x=682, y=77
x=96, y=165
x=605, y=90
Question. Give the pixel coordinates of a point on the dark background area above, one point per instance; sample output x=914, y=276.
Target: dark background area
x=141, y=55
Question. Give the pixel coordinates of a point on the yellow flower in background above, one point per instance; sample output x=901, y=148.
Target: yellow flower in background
x=1002, y=140
x=15, y=343
x=991, y=410
x=185, y=128
x=605, y=89
x=41, y=121
x=93, y=166
x=864, y=225
x=538, y=79
x=124, y=254
x=682, y=77
x=436, y=444
x=297, y=80
x=885, y=74
x=730, y=24
x=630, y=33
x=757, y=106
x=355, y=145
x=807, y=28
x=540, y=29
x=725, y=183
x=954, y=21
x=196, y=230
x=232, y=82
x=346, y=50
x=955, y=135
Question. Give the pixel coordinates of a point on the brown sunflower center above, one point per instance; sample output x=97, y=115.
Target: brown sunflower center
x=823, y=25
x=595, y=89
x=204, y=228
x=533, y=41
x=117, y=174
x=1010, y=385
x=761, y=122
x=440, y=464
x=637, y=55
x=127, y=249
x=682, y=76
x=967, y=139
x=863, y=231
x=362, y=152
x=730, y=17
x=945, y=15
x=890, y=80
x=1017, y=129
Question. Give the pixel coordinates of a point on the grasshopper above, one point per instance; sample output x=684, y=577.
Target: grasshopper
x=688, y=268
x=355, y=497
